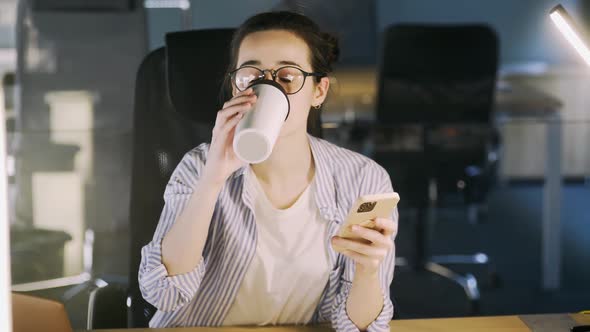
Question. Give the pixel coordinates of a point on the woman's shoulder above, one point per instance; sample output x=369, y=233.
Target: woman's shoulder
x=193, y=160
x=351, y=173
x=198, y=153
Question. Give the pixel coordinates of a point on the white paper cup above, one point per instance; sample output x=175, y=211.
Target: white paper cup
x=257, y=132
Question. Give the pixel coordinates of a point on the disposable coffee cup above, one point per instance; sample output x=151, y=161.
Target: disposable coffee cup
x=257, y=132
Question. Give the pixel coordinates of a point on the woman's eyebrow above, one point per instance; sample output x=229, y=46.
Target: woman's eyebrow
x=290, y=63
x=257, y=63
x=250, y=63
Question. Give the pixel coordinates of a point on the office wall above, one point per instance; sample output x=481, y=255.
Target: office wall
x=352, y=21
x=7, y=19
x=522, y=25
x=205, y=14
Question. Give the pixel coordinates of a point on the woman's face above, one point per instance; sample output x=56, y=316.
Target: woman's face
x=273, y=49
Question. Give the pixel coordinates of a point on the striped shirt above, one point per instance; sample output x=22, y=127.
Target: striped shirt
x=203, y=296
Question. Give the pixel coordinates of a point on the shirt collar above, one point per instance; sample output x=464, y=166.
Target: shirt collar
x=324, y=172
x=325, y=190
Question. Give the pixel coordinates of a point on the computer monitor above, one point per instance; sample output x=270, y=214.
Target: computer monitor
x=5, y=294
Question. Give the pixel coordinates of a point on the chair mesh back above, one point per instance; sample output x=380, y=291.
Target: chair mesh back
x=436, y=74
x=164, y=130
x=436, y=83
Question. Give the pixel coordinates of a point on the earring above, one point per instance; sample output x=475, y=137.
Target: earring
x=317, y=107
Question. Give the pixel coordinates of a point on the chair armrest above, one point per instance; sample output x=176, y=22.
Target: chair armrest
x=107, y=307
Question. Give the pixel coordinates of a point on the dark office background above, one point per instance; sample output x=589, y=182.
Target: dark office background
x=510, y=233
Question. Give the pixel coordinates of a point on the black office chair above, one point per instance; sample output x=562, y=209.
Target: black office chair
x=435, y=99
x=176, y=100
x=178, y=94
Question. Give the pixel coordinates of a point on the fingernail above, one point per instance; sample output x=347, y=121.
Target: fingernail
x=355, y=228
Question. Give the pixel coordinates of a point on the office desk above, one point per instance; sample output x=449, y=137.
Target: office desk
x=549, y=323
x=516, y=102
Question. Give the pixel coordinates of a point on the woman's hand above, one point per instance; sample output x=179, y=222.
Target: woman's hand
x=221, y=160
x=369, y=251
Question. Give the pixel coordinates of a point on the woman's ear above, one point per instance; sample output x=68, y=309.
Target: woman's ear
x=321, y=91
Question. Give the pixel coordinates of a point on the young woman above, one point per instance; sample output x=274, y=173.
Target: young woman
x=254, y=244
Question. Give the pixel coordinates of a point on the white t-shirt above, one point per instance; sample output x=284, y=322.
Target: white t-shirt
x=290, y=269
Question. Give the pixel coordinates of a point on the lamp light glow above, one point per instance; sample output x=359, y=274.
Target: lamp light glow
x=566, y=25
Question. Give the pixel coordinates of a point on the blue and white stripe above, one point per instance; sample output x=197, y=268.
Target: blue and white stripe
x=203, y=296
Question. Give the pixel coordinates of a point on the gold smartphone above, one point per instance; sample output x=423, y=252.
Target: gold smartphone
x=366, y=209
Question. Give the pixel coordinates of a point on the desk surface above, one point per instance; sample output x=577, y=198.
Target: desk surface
x=522, y=100
x=358, y=87
x=479, y=324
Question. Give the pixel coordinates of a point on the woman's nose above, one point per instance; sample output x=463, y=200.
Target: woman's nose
x=268, y=75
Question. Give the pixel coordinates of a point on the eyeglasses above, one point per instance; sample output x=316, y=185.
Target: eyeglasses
x=290, y=78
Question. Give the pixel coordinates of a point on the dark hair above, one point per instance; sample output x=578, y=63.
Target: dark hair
x=323, y=47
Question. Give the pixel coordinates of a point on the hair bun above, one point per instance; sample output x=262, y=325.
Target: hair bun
x=332, y=47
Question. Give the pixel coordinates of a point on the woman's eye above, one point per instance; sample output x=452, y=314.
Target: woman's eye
x=286, y=79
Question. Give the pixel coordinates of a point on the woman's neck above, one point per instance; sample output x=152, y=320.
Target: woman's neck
x=290, y=162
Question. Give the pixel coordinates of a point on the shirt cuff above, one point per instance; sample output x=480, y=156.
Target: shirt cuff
x=155, y=277
x=343, y=322
x=382, y=322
